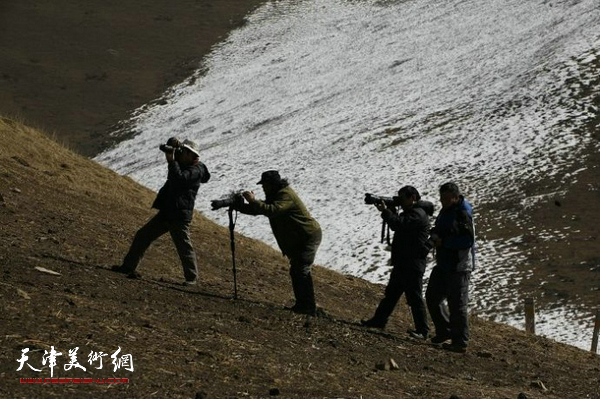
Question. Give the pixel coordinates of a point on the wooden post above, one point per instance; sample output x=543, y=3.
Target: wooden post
x=596, y=331
x=529, y=315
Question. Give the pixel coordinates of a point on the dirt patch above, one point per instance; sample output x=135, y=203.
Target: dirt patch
x=79, y=68
x=558, y=219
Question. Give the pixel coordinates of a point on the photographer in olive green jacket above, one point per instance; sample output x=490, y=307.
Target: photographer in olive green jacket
x=297, y=233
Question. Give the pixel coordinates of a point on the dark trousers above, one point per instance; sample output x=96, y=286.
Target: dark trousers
x=300, y=266
x=156, y=227
x=409, y=282
x=453, y=286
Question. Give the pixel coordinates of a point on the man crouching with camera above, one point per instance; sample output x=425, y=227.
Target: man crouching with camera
x=297, y=233
x=175, y=204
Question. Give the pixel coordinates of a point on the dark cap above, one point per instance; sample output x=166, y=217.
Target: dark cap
x=409, y=191
x=270, y=176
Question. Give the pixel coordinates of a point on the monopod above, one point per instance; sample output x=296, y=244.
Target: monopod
x=232, y=240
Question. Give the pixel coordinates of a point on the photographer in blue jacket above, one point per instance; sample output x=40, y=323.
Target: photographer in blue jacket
x=453, y=237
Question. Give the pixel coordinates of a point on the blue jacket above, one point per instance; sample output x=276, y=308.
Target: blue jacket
x=455, y=227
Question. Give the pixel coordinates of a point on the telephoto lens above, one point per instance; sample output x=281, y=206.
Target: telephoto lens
x=233, y=199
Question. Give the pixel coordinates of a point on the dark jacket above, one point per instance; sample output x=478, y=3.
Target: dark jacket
x=455, y=227
x=292, y=224
x=411, y=238
x=177, y=196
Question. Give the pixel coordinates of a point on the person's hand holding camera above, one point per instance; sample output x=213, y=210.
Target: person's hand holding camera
x=173, y=144
x=249, y=196
x=170, y=155
x=380, y=206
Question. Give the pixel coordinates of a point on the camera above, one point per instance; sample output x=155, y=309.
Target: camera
x=173, y=145
x=232, y=199
x=389, y=202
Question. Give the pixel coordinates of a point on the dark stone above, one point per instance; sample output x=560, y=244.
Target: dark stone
x=201, y=395
x=522, y=396
x=274, y=392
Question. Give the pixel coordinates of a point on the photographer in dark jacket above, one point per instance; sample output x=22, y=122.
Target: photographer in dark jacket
x=453, y=236
x=409, y=252
x=175, y=204
x=297, y=233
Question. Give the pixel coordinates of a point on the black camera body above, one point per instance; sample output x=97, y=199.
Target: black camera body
x=173, y=145
x=394, y=202
x=390, y=202
x=232, y=199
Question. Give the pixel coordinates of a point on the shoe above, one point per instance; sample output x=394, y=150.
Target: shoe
x=297, y=308
x=190, y=282
x=134, y=275
x=373, y=323
x=120, y=269
x=304, y=310
x=418, y=335
x=307, y=312
x=439, y=339
x=458, y=348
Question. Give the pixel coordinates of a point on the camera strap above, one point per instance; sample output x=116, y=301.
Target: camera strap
x=388, y=235
x=385, y=232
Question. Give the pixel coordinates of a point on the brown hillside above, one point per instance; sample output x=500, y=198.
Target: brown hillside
x=66, y=213
x=81, y=67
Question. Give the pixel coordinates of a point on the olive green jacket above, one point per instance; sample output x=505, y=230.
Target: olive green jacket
x=292, y=224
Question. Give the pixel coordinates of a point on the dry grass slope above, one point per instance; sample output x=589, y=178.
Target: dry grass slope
x=68, y=214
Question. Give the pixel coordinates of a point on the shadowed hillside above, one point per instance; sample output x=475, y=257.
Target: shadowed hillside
x=80, y=68
x=65, y=213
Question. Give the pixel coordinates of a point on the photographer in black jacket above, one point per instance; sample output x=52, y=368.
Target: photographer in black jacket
x=175, y=204
x=409, y=252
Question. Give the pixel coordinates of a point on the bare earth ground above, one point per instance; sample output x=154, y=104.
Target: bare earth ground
x=77, y=68
x=560, y=232
x=67, y=214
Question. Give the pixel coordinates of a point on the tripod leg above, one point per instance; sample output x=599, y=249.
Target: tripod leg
x=232, y=239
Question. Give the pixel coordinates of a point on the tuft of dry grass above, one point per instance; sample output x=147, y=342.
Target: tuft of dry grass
x=43, y=153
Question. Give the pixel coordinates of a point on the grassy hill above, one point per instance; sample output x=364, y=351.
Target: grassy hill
x=66, y=213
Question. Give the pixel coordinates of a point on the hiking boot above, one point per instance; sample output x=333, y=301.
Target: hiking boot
x=418, y=335
x=134, y=275
x=308, y=312
x=190, y=283
x=374, y=323
x=319, y=312
x=296, y=308
x=452, y=347
x=120, y=269
x=304, y=310
x=439, y=339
